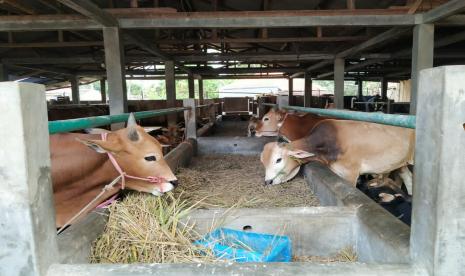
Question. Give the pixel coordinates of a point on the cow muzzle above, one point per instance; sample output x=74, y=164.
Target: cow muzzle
x=164, y=187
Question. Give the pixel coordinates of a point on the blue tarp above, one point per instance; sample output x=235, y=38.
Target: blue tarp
x=242, y=246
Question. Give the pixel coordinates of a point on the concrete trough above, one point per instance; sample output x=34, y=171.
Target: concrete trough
x=347, y=219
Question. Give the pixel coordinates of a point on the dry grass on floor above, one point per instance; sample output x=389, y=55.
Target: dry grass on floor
x=345, y=255
x=146, y=229
x=227, y=180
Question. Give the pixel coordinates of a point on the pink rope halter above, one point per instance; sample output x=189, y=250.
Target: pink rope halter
x=124, y=175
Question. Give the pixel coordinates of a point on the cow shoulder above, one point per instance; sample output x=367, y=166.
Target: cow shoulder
x=323, y=140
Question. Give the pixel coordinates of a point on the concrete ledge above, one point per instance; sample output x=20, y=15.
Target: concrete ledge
x=232, y=145
x=181, y=156
x=381, y=237
x=75, y=242
x=256, y=269
x=314, y=231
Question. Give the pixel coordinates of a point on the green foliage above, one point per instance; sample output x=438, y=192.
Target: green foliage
x=157, y=90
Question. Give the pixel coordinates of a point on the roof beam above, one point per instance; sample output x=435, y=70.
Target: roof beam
x=445, y=10
x=378, y=39
x=89, y=9
x=169, y=19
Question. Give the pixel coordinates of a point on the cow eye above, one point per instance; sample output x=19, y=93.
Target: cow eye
x=266, y=119
x=279, y=160
x=150, y=158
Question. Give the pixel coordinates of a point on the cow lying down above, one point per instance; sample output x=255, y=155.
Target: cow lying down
x=348, y=148
x=81, y=167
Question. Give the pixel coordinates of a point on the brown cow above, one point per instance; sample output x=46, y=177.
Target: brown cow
x=290, y=126
x=81, y=167
x=348, y=148
x=268, y=125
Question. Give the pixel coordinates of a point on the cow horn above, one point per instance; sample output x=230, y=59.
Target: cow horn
x=132, y=130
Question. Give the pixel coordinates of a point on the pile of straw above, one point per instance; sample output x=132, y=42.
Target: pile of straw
x=147, y=229
x=228, y=180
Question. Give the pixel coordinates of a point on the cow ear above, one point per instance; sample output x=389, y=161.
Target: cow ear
x=100, y=146
x=300, y=154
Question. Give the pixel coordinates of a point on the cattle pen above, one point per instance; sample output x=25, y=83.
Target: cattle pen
x=322, y=213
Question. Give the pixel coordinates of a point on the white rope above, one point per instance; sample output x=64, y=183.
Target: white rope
x=104, y=189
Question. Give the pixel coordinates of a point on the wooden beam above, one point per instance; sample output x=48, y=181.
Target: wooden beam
x=414, y=7
x=89, y=9
x=383, y=37
x=52, y=44
x=20, y=6
x=264, y=40
x=351, y=4
x=243, y=19
x=445, y=10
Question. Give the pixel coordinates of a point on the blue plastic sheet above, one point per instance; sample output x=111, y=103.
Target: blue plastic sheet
x=243, y=246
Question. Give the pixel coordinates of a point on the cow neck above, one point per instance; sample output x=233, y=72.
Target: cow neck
x=302, y=144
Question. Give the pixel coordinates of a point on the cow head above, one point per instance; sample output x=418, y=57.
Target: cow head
x=270, y=123
x=138, y=154
x=281, y=162
x=252, y=126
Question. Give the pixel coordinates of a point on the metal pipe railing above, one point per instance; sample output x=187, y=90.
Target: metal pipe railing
x=89, y=122
x=407, y=121
x=269, y=104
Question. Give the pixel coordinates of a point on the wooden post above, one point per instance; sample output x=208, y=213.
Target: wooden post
x=116, y=76
x=190, y=117
x=291, y=91
x=200, y=90
x=339, y=83
x=308, y=90
x=191, y=84
x=170, y=84
x=103, y=90
x=74, y=81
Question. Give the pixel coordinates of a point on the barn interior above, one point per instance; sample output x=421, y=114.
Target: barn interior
x=68, y=43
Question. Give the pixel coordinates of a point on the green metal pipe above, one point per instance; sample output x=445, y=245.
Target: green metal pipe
x=407, y=121
x=89, y=122
x=269, y=104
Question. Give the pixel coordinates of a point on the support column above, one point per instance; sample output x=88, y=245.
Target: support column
x=438, y=222
x=190, y=117
x=170, y=84
x=28, y=235
x=75, y=90
x=422, y=57
x=384, y=88
x=360, y=89
x=339, y=83
x=103, y=90
x=3, y=72
x=308, y=90
x=114, y=64
x=191, y=86
x=200, y=90
x=291, y=91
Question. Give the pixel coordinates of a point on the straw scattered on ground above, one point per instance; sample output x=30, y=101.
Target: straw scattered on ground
x=227, y=180
x=145, y=229
x=345, y=255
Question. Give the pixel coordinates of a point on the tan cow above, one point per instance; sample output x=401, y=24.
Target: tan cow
x=348, y=148
x=268, y=125
x=290, y=126
x=81, y=167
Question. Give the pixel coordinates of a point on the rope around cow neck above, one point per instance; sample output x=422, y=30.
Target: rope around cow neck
x=106, y=188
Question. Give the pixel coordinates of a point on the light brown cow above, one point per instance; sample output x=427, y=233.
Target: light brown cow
x=290, y=126
x=268, y=125
x=81, y=167
x=348, y=148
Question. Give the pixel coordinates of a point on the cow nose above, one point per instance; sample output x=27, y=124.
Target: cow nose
x=268, y=182
x=252, y=133
x=174, y=182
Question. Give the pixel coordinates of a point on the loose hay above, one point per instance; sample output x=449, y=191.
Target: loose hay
x=227, y=180
x=345, y=255
x=145, y=229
